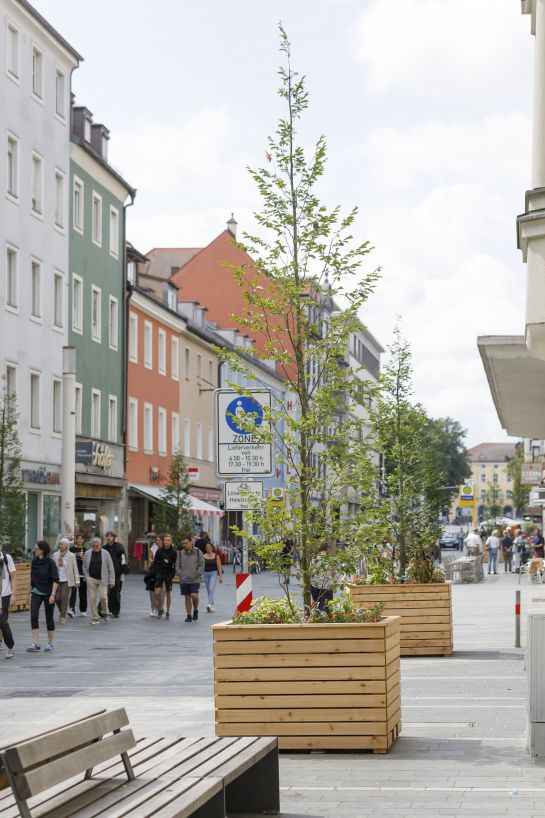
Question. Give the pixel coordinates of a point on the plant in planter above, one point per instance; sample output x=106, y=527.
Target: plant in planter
x=315, y=678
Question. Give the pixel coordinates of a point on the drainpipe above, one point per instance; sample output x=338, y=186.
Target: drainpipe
x=68, y=457
x=124, y=521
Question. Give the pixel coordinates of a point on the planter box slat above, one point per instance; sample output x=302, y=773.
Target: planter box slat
x=331, y=686
x=425, y=611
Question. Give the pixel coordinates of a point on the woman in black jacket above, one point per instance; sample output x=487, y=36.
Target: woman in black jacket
x=44, y=579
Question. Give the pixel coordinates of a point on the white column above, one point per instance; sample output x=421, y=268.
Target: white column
x=538, y=137
x=68, y=463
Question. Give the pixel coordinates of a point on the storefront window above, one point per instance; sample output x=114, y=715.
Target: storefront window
x=51, y=518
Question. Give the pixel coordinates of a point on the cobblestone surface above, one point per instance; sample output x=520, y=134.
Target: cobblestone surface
x=461, y=752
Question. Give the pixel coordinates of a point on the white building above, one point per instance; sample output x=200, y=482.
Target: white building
x=36, y=64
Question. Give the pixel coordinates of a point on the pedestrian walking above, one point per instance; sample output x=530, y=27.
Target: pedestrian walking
x=78, y=549
x=493, y=545
x=44, y=579
x=507, y=551
x=165, y=564
x=539, y=545
x=149, y=576
x=320, y=579
x=68, y=577
x=518, y=547
x=213, y=572
x=8, y=591
x=202, y=541
x=99, y=574
x=190, y=567
x=119, y=560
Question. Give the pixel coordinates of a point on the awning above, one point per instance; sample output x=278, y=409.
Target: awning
x=517, y=382
x=155, y=493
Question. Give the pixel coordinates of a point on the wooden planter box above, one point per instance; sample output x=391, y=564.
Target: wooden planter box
x=22, y=573
x=425, y=611
x=330, y=687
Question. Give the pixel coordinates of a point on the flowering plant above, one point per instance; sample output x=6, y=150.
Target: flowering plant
x=267, y=611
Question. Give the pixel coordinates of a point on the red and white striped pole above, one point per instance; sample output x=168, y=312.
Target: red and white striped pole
x=517, y=619
x=244, y=592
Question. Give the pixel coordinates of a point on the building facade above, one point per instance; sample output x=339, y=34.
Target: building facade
x=35, y=77
x=491, y=481
x=97, y=329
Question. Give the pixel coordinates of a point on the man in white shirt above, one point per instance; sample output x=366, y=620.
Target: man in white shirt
x=473, y=541
x=9, y=592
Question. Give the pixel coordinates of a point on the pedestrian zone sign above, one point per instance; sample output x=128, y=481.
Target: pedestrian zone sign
x=467, y=497
x=239, y=421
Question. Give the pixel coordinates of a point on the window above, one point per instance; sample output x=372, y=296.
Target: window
x=96, y=298
x=199, y=441
x=112, y=419
x=172, y=299
x=175, y=432
x=113, y=323
x=483, y=494
x=95, y=413
x=35, y=401
x=96, y=219
x=79, y=405
x=87, y=129
x=13, y=51
x=114, y=232
x=133, y=423
x=57, y=406
x=10, y=383
x=187, y=361
x=78, y=204
x=58, y=300
x=77, y=303
x=12, y=169
x=59, y=199
x=211, y=372
x=210, y=444
x=133, y=338
x=509, y=495
x=37, y=184
x=131, y=272
x=187, y=438
x=175, y=358
x=148, y=428
x=35, y=289
x=12, y=278
x=60, y=94
x=509, y=478
x=148, y=345
x=199, y=366
x=495, y=477
x=162, y=431
x=162, y=352
x=483, y=477
x=37, y=64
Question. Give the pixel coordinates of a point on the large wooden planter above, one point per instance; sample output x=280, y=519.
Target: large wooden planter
x=22, y=573
x=331, y=687
x=425, y=611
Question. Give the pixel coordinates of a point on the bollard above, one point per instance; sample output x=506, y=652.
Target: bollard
x=244, y=592
x=517, y=619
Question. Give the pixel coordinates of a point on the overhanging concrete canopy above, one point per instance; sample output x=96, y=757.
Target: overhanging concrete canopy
x=517, y=383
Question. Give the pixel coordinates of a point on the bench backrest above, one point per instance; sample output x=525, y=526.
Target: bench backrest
x=39, y=763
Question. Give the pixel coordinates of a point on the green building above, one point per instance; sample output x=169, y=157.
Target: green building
x=96, y=326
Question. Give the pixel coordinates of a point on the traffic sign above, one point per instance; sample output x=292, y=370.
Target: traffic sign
x=239, y=419
x=243, y=496
x=467, y=496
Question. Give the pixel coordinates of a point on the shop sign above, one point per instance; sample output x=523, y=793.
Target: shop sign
x=193, y=472
x=91, y=453
x=531, y=474
x=41, y=476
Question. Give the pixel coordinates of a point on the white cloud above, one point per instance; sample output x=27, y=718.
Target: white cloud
x=437, y=47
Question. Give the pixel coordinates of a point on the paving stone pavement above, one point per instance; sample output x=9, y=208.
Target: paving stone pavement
x=461, y=752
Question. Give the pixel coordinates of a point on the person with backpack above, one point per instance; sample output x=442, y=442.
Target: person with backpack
x=165, y=564
x=119, y=559
x=44, y=581
x=8, y=592
x=78, y=550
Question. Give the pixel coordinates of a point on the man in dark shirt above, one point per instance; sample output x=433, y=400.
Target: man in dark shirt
x=79, y=550
x=507, y=551
x=539, y=543
x=164, y=562
x=117, y=552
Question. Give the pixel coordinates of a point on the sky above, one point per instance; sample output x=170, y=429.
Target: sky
x=426, y=109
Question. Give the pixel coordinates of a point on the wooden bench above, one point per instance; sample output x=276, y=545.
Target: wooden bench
x=157, y=777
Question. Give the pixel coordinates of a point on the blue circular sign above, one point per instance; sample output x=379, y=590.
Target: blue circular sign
x=237, y=414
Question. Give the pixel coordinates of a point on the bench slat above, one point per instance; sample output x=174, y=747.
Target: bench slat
x=44, y=777
x=178, y=801
x=242, y=761
x=59, y=742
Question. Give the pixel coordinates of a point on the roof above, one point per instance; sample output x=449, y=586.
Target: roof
x=162, y=261
x=491, y=452
x=48, y=27
x=84, y=145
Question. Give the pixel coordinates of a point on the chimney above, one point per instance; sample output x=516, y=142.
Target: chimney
x=232, y=226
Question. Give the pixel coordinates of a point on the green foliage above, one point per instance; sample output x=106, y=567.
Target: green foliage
x=493, y=509
x=446, y=447
x=521, y=492
x=267, y=611
x=173, y=514
x=12, y=497
x=422, y=570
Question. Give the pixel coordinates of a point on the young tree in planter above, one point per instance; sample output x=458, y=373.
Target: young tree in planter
x=521, y=492
x=12, y=497
x=306, y=258
x=411, y=475
x=174, y=512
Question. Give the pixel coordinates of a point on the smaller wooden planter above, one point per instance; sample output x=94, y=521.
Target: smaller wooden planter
x=329, y=687
x=425, y=611
x=22, y=573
